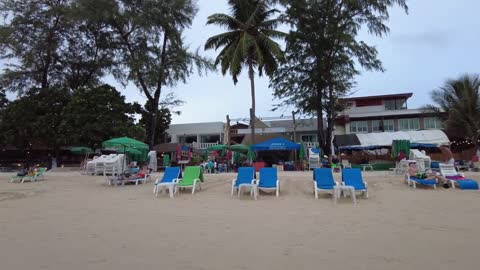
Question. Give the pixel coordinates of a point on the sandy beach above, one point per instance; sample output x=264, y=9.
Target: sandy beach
x=70, y=221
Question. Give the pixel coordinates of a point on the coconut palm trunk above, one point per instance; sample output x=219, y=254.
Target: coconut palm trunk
x=251, y=74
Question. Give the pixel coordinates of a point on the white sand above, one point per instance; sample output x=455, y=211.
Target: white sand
x=74, y=222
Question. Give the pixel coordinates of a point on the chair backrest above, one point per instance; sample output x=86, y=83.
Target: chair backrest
x=190, y=174
x=171, y=173
x=447, y=169
x=245, y=175
x=353, y=177
x=324, y=178
x=345, y=163
x=41, y=170
x=268, y=177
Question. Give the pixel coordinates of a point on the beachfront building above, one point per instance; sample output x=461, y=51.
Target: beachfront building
x=203, y=135
x=368, y=118
x=377, y=120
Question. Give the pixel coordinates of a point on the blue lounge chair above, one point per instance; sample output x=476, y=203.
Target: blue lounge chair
x=268, y=180
x=168, y=181
x=413, y=181
x=246, y=175
x=353, y=177
x=323, y=181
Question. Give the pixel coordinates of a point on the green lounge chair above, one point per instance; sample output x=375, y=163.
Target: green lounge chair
x=36, y=177
x=192, y=176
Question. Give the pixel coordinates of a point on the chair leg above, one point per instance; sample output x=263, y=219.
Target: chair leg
x=171, y=191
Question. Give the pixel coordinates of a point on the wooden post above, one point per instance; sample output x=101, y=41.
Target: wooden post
x=227, y=133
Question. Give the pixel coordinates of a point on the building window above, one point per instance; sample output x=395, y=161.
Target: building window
x=308, y=138
x=395, y=104
x=359, y=127
x=432, y=123
x=210, y=139
x=409, y=124
x=376, y=126
x=388, y=125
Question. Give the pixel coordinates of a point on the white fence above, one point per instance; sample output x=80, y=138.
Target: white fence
x=203, y=145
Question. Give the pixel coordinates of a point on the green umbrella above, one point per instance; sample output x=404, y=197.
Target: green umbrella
x=239, y=148
x=236, y=156
x=217, y=147
x=400, y=146
x=166, y=160
x=301, y=153
x=251, y=155
x=136, y=149
x=81, y=150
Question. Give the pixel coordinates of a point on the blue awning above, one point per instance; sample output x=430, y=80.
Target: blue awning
x=276, y=144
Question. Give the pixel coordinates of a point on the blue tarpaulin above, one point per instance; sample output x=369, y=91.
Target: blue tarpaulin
x=276, y=144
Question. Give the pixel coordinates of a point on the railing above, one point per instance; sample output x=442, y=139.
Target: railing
x=202, y=145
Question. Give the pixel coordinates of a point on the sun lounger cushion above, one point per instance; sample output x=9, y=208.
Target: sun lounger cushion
x=463, y=182
x=268, y=177
x=425, y=182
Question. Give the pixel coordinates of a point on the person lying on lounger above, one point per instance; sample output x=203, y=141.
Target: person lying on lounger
x=413, y=172
x=140, y=174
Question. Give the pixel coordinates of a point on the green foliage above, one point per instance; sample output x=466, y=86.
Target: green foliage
x=97, y=114
x=150, y=49
x=35, y=118
x=55, y=117
x=249, y=38
x=248, y=42
x=164, y=118
x=51, y=44
x=460, y=100
x=323, y=54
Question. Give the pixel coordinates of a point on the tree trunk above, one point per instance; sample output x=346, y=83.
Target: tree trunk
x=153, y=123
x=319, y=109
x=251, y=74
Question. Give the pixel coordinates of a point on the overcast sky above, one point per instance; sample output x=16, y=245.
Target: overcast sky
x=437, y=40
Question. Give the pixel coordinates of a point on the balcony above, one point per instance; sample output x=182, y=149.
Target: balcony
x=203, y=146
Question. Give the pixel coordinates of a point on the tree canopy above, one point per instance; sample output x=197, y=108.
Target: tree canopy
x=459, y=100
x=324, y=54
x=248, y=42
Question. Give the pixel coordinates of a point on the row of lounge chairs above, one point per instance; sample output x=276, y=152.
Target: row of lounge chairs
x=173, y=180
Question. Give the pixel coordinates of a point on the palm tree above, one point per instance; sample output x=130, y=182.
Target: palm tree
x=248, y=42
x=460, y=100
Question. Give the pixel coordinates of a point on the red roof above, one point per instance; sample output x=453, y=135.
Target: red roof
x=391, y=96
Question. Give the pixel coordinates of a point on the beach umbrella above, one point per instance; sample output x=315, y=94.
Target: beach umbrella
x=81, y=150
x=239, y=148
x=217, y=147
x=251, y=155
x=236, y=156
x=301, y=153
x=136, y=149
x=166, y=160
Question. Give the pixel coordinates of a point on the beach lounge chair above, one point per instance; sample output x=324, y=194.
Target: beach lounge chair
x=353, y=177
x=245, y=176
x=268, y=180
x=413, y=181
x=168, y=181
x=450, y=175
x=39, y=175
x=192, y=177
x=323, y=181
x=144, y=179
